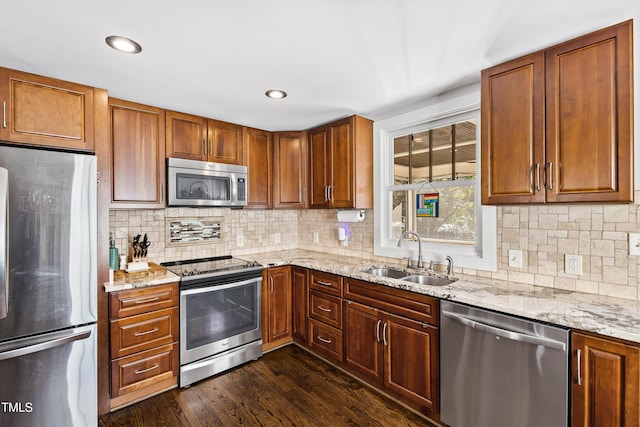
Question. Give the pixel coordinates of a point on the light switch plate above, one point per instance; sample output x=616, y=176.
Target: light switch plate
x=573, y=264
x=277, y=238
x=240, y=240
x=634, y=243
x=515, y=258
x=316, y=237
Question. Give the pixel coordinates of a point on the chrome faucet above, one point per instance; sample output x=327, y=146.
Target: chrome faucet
x=420, y=263
x=449, y=266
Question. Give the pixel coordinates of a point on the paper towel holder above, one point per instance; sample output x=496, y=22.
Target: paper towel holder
x=355, y=215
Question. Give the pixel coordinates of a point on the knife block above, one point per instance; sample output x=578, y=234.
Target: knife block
x=133, y=258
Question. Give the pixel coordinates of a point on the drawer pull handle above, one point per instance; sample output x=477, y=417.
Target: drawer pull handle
x=328, y=310
x=378, y=330
x=139, y=334
x=142, y=371
x=326, y=341
x=320, y=282
x=144, y=301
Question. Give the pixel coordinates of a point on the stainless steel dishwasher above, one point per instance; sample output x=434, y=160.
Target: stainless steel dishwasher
x=501, y=371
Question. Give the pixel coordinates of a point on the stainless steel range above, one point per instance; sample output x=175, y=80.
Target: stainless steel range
x=220, y=315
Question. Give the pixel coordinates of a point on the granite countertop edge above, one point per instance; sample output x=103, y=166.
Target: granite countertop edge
x=124, y=284
x=609, y=316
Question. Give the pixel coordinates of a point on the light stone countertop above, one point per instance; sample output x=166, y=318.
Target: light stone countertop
x=609, y=316
x=125, y=283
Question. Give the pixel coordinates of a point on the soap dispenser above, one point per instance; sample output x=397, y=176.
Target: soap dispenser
x=113, y=253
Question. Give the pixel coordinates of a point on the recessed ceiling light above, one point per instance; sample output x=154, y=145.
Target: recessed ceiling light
x=123, y=44
x=276, y=93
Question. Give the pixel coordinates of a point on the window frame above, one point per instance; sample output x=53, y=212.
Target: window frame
x=455, y=107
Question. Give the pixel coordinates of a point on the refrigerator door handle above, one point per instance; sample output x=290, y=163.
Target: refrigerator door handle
x=38, y=345
x=4, y=243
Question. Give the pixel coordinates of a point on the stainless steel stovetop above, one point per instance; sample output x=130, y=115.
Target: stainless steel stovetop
x=214, y=270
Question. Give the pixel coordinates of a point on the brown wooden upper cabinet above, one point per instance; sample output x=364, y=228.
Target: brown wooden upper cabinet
x=137, y=135
x=557, y=124
x=198, y=138
x=43, y=111
x=258, y=158
x=341, y=164
x=290, y=170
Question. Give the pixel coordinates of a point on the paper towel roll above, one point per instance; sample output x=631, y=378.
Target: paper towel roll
x=351, y=216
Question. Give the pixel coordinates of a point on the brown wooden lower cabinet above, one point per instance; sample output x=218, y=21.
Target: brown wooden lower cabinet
x=146, y=368
x=276, y=307
x=144, y=337
x=299, y=303
x=398, y=353
x=606, y=382
x=326, y=340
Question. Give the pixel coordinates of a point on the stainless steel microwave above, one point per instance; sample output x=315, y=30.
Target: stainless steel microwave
x=197, y=183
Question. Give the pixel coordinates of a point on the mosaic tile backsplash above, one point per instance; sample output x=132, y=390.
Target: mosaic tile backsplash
x=544, y=233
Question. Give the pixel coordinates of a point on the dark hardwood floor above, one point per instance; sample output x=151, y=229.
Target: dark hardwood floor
x=286, y=387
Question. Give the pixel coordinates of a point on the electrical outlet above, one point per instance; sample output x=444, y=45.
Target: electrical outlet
x=515, y=258
x=634, y=243
x=277, y=238
x=240, y=240
x=316, y=237
x=573, y=264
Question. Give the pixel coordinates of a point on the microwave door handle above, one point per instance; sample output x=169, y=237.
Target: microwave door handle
x=4, y=243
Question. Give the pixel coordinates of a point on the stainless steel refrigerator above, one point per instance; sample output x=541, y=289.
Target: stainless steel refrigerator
x=48, y=288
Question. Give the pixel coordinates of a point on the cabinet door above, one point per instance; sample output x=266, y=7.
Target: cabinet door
x=299, y=297
x=318, y=164
x=186, y=136
x=363, y=341
x=513, y=131
x=606, y=382
x=258, y=161
x=340, y=168
x=290, y=170
x=279, y=295
x=224, y=142
x=44, y=111
x=589, y=100
x=411, y=361
x=137, y=155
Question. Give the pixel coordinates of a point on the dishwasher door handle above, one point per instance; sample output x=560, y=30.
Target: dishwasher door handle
x=505, y=333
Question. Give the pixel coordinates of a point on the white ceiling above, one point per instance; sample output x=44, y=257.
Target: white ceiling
x=334, y=57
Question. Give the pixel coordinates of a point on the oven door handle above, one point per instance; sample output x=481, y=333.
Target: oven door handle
x=210, y=288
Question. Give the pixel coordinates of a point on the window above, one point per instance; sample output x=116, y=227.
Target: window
x=428, y=183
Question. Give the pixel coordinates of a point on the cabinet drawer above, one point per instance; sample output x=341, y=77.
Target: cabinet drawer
x=144, y=331
x=143, y=369
x=415, y=306
x=326, y=308
x=143, y=300
x=325, y=339
x=326, y=282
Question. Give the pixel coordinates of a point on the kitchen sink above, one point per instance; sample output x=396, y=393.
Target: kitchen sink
x=428, y=280
x=386, y=272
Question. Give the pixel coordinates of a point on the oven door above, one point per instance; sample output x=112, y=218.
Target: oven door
x=218, y=318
